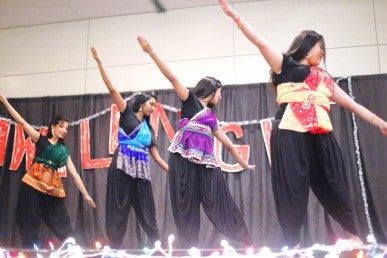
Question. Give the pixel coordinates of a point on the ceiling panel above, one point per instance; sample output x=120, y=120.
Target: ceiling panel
x=17, y=13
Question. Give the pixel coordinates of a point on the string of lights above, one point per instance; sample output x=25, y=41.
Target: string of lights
x=69, y=248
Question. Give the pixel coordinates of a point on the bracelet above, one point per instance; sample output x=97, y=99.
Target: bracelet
x=240, y=23
x=237, y=19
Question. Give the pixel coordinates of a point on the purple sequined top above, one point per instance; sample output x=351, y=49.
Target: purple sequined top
x=195, y=140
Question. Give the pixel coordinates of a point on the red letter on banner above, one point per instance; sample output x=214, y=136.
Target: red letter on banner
x=114, y=124
x=266, y=127
x=87, y=162
x=43, y=131
x=154, y=120
x=4, y=131
x=21, y=146
x=244, y=150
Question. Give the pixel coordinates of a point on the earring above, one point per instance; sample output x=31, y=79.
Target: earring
x=308, y=56
x=140, y=109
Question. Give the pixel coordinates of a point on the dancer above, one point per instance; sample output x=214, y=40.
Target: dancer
x=42, y=194
x=195, y=177
x=129, y=177
x=304, y=152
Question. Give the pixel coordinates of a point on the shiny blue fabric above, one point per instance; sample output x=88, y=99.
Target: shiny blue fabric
x=140, y=137
x=133, y=156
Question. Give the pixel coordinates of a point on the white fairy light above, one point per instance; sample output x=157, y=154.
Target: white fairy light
x=284, y=248
x=157, y=248
x=265, y=252
x=249, y=251
x=215, y=253
x=371, y=239
x=228, y=249
x=146, y=250
x=75, y=251
x=194, y=252
x=224, y=243
x=171, y=238
x=106, y=251
x=121, y=253
x=21, y=255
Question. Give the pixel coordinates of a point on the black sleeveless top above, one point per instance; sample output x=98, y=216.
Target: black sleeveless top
x=291, y=71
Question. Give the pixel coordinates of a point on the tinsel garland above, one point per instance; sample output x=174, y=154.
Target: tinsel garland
x=371, y=234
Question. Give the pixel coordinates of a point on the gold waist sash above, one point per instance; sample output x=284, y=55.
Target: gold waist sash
x=307, y=110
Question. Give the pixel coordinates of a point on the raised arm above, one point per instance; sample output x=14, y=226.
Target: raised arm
x=157, y=158
x=78, y=182
x=272, y=56
x=117, y=98
x=30, y=131
x=181, y=91
x=222, y=137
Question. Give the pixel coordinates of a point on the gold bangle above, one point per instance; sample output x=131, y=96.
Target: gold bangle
x=240, y=23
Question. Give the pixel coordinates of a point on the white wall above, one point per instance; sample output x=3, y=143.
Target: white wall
x=54, y=59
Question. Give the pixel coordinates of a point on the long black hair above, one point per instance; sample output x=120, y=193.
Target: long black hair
x=302, y=44
x=138, y=101
x=205, y=87
x=56, y=120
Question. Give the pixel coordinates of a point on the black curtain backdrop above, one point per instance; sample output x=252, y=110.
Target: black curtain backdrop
x=251, y=190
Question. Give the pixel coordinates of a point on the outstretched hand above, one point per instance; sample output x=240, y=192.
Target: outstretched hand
x=144, y=44
x=227, y=9
x=250, y=167
x=383, y=128
x=95, y=54
x=90, y=201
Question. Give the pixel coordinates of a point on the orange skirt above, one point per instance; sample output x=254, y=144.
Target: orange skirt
x=45, y=180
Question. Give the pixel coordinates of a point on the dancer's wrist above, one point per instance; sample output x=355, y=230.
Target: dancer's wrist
x=240, y=23
x=236, y=18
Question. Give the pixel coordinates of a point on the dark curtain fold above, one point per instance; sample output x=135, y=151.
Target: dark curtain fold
x=371, y=91
x=251, y=190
